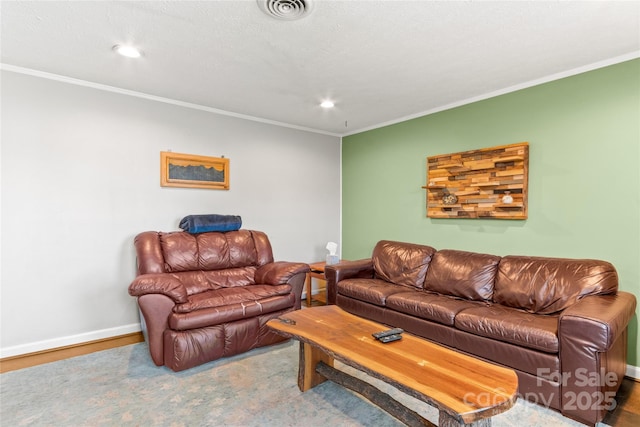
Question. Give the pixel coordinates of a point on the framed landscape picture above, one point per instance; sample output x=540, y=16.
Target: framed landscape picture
x=193, y=171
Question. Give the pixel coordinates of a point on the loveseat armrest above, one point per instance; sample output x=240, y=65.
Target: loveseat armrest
x=159, y=283
x=279, y=272
x=283, y=272
x=593, y=352
x=334, y=273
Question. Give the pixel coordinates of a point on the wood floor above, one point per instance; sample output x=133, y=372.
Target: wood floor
x=32, y=359
x=626, y=414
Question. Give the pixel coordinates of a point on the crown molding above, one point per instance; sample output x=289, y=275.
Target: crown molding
x=569, y=73
x=107, y=88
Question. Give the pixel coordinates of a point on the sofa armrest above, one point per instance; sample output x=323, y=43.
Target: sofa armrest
x=282, y=272
x=159, y=283
x=154, y=319
x=279, y=272
x=593, y=353
x=334, y=273
x=599, y=319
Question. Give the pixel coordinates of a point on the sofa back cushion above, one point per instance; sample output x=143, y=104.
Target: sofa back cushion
x=467, y=275
x=160, y=252
x=550, y=285
x=401, y=263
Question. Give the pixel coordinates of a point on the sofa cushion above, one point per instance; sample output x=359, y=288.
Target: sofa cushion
x=434, y=307
x=374, y=291
x=228, y=296
x=462, y=274
x=401, y=263
x=213, y=251
x=229, y=313
x=510, y=325
x=550, y=285
x=524, y=359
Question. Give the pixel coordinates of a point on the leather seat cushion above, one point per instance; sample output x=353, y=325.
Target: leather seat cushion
x=196, y=282
x=510, y=325
x=437, y=308
x=229, y=296
x=534, y=362
x=230, y=313
x=374, y=291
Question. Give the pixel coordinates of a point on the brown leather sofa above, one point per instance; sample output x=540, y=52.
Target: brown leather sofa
x=561, y=324
x=209, y=295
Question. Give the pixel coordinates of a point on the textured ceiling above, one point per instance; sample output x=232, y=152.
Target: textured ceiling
x=380, y=61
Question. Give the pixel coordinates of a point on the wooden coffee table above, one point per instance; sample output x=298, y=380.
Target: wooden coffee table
x=465, y=390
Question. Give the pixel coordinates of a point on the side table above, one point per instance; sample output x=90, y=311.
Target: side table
x=317, y=272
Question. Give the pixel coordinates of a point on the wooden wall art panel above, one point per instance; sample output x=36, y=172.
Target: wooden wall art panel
x=484, y=183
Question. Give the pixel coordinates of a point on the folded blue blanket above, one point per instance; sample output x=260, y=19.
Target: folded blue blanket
x=202, y=223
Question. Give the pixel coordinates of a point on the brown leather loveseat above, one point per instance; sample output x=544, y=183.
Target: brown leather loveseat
x=209, y=295
x=561, y=324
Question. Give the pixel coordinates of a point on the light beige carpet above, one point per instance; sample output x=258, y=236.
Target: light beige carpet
x=122, y=387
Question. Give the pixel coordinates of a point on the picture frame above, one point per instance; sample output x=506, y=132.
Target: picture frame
x=193, y=171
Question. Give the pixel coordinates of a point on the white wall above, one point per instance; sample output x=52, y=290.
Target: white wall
x=80, y=178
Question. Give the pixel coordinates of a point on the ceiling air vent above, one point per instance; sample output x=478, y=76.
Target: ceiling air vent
x=287, y=10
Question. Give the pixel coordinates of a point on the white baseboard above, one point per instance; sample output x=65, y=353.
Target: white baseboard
x=69, y=340
x=633, y=372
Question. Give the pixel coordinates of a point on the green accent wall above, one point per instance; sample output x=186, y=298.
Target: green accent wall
x=584, y=180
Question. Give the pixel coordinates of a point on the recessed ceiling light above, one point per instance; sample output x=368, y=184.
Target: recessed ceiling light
x=128, y=51
x=327, y=104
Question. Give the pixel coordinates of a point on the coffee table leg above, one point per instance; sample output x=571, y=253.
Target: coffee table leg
x=446, y=420
x=309, y=357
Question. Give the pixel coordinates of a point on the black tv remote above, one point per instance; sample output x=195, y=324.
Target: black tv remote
x=382, y=334
x=390, y=338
